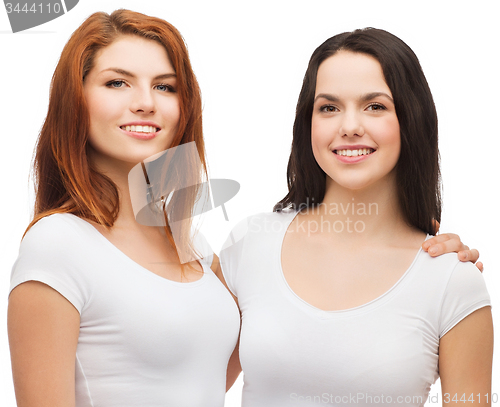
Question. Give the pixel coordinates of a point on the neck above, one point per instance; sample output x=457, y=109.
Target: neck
x=365, y=214
x=118, y=172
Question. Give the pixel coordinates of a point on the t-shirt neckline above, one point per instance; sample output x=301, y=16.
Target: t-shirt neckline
x=135, y=265
x=343, y=312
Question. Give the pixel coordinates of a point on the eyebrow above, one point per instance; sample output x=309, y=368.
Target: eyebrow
x=131, y=75
x=364, y=98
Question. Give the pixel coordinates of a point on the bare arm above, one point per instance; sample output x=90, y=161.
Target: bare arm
x=465, y=361
x=43, y=329
x=234, y=366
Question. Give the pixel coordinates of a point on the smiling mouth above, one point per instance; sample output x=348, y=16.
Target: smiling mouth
x=141, y=129
x=355, y=153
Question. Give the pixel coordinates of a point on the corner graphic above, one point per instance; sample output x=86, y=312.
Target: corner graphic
x=27, y=14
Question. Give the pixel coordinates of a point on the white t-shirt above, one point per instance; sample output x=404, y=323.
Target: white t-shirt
x=382, y=352
x=144, y=340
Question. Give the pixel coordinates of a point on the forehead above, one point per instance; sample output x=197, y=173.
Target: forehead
x=133, y=52
x=350, y=73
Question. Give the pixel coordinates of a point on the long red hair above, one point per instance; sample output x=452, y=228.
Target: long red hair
x=65, y=180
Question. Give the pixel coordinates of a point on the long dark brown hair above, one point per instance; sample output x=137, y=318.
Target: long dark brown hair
x=417, y=170
x=65, y=179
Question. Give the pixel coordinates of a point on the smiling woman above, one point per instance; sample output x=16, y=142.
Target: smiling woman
x=132, y=79
x=362, y=109
x=102, y=311
x=344, y=307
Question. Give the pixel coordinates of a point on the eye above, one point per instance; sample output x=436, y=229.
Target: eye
x=164, y=87
x=328, y=109
x=376, y=106
x=115, y=84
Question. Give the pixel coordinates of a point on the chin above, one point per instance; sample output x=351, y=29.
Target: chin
x=143, y=155
x=356, y=183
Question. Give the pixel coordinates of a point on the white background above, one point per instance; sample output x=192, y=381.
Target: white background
x=250, y=58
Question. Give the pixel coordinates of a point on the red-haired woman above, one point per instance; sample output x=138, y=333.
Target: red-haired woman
x=102, y=311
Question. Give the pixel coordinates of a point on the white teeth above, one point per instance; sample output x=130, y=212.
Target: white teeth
x=140, y=129
x=355, y=153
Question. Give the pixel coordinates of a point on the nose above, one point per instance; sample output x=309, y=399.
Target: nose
x=143, y=101
x=351, y=125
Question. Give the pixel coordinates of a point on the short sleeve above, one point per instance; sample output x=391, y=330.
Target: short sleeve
x=47, y=255
x=232, y=252
x=465, y=293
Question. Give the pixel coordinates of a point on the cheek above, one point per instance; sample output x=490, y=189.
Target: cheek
x=316, y=141
x=172, y=112
x=321, y=133
x=101, y=110
x=94, y=111
x=387, y=133
x=320, y=142
x=394, y=136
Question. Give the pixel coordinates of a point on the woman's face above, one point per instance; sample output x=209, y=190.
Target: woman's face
x=132, y=102
x=355, y=130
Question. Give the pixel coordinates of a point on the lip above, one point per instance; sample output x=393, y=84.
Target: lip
x=140, y=135
x=352, y=160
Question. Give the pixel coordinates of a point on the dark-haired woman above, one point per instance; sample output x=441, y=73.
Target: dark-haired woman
x=340, y=305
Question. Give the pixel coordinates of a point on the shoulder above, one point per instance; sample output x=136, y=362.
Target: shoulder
x=444, y=266
x=284, y=216
x=457, y=287
x=464, y=279
x=433, y=274
x=56, y=252
x=464, y=293
x=260, y=223
x=441, y=276
x=264, y=224
x=441, y=266
x=254, y=238
x=52, y=225
x=55, y=232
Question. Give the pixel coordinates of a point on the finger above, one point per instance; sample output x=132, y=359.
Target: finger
x=480, y=266
x=436, y=249
x=450, y=246
x=448, y=242
x=468, y=255
x=440, y=238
